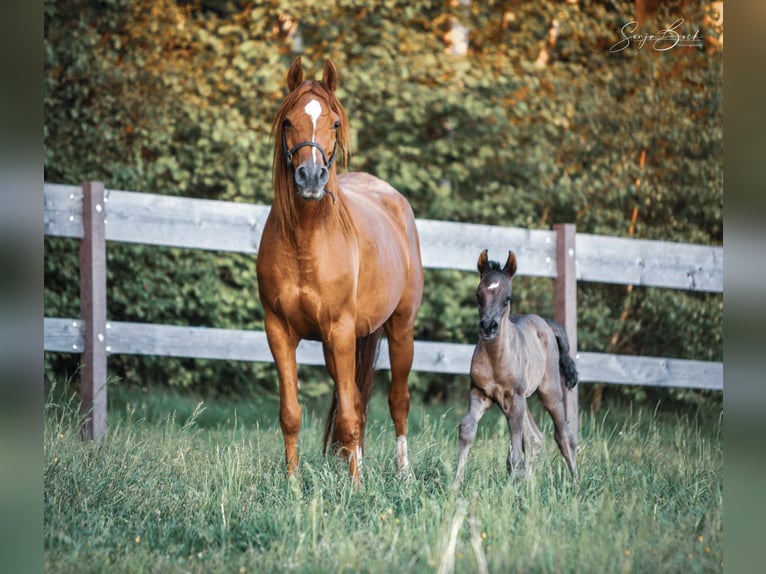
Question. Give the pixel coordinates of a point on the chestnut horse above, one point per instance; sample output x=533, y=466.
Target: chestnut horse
x=516, y=356
x=339, y=262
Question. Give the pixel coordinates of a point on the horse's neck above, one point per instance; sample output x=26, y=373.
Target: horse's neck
x=507, y=341
x=319, y=218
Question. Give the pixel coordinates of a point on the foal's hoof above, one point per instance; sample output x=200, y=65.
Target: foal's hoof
x=517, y=473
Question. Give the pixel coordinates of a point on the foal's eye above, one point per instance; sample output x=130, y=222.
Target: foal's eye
x=287, y=123
x=336, y=125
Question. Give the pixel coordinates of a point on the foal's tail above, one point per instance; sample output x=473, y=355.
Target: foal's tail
x=366, y=355
x=566, y=363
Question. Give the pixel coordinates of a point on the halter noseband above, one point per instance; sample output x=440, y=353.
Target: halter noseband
x=288, y=152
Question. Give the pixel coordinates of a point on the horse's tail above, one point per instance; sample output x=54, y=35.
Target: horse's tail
x=366, y=355
x=566, y=363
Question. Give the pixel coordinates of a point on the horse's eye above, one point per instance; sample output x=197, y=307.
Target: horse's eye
x=336, y=125
x=287, y=123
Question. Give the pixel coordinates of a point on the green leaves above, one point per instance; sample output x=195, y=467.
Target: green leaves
x=165, y=97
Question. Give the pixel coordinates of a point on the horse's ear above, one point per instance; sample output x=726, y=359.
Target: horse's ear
x=295, y=74
x=483, y=264
x=330, y=76
x=510, y=265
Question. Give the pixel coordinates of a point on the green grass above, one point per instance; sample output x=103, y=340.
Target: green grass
x=191, y=489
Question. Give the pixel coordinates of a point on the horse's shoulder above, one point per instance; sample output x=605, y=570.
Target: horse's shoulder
x=372, y=193
x=526, y=320
x=359, y=182
x=533, y=325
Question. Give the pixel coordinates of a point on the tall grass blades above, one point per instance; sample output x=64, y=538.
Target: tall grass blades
x=195, y=492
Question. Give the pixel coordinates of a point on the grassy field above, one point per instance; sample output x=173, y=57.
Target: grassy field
x=182, y=487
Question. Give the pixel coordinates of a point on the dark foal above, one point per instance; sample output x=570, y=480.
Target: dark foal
x=516, y=356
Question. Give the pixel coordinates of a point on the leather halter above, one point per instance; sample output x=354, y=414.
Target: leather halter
x=288, y=152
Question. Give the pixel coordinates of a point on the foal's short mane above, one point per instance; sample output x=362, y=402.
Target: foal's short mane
x=284, y=185
x=493, y=266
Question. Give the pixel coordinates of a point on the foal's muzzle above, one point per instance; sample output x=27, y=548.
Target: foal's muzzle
x=488, y=329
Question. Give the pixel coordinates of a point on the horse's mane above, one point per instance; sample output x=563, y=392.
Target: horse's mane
x=493, y=266
x=284, y=185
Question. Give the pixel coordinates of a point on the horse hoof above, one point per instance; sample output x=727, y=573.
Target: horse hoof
x=405, y=474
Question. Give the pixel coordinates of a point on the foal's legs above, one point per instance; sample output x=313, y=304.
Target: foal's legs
x=532, y=438
x=478, y=404
x=400, y=336
x=516, y=412
x=552, y=396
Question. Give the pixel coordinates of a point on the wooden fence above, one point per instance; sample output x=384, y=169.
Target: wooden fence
x=95, y=215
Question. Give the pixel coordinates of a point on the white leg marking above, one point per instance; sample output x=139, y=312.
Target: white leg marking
x=313, y=109
x=358, y=457
x=401, y=452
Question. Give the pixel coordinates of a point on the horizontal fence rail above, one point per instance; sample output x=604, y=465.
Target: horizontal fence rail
x=96, y=215
x=125, y=338
x=152, y=219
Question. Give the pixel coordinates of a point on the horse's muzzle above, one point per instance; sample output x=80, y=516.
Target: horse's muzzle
x=488, y=329
x=311, y=179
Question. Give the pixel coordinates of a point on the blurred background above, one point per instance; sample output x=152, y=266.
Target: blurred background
x=505, y=113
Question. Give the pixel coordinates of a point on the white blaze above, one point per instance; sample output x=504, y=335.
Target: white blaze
x=494, y=285
x=313, y=109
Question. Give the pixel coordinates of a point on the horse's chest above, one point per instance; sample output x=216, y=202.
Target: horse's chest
x=513, y=369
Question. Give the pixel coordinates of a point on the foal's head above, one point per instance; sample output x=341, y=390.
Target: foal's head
x=311, y=129
x=494, y=293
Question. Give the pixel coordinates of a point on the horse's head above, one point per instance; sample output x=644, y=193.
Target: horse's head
x=494, y=293
x=312, y=128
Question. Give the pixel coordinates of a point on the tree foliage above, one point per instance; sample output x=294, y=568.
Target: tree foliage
x=177, y=98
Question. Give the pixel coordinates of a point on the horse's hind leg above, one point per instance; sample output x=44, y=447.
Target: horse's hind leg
x=552, y=397
x=478, y=404
x=400, y=336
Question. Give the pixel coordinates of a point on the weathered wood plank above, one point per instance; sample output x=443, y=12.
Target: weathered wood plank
x=62, y=210
x=453, y=245
x=200, y=342
x=650, y=371
x=218, y=225
x=183, y=222
x=433, y=357
x=63, y=335
x=624, y=261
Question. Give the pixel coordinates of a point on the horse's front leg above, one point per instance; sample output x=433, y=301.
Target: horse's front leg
x=515, y=412
x=340, y=356
x=283, y=345
x=478, y=404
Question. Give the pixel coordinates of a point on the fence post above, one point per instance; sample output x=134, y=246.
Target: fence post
x=93, y=311
x=565, y=304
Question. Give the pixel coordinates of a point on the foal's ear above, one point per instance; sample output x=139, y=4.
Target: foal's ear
x=295, y=74
x=483, y=264
x=510, y=265
x=330, y=76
